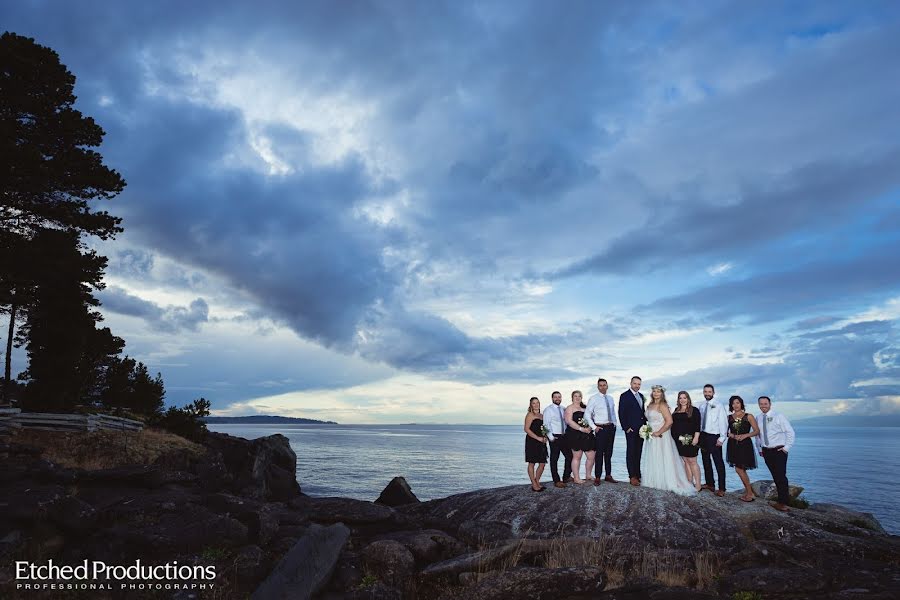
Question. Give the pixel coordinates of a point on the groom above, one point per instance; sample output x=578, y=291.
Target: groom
x=631, y=417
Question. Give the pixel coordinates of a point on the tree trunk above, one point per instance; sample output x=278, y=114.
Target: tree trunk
x=9, y=344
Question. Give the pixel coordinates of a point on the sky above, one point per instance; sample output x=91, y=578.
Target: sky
x=394, y=212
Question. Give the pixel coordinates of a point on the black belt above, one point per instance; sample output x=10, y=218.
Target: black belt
x=773, y=447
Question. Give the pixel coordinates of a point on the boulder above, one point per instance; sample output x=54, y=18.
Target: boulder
x=348, y=511
x=766, y=489
x=306, y=567
x=390, y=561
x=481, y=533
x=262, y=524
x=263, y=468
x=536, y=583
x=397, y=493
x=430, y=545
x=853, y=518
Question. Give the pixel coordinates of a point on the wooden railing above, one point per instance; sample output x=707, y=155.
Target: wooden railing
x=14, y=418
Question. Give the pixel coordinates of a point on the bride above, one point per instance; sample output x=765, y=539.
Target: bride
x=661, y=466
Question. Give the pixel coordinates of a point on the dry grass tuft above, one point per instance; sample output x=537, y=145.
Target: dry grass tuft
x=104, y=449
x=708, y=567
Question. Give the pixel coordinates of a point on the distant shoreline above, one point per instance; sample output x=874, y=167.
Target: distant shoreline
x=267, y=420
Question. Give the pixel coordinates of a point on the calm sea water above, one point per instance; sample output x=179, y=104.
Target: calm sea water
x=852, y=466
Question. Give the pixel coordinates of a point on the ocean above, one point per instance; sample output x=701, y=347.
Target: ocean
x=852, y=466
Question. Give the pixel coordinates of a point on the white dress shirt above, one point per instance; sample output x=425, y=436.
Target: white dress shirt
x=601, y=409
x=553, y=421
x=713, y=419
x=774, y=430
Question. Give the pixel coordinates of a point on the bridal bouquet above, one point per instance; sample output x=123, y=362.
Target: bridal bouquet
x=686, y=439
x=645, y=432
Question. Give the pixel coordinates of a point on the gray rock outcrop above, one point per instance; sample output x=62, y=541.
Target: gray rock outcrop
x=307, y=567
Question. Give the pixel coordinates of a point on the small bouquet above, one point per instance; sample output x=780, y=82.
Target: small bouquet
x=544, y=431
x=583, y=422
x=736, y=425
x=645, y=432
x=686, y=439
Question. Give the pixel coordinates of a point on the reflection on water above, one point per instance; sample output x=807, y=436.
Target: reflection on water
x=852, y=466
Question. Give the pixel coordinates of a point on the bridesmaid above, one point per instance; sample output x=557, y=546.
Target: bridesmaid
x=686, y=422
x=741, y=454
x=580, y=439
x=535, y=445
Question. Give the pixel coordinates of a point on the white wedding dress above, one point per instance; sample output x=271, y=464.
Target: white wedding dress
x=661, y=466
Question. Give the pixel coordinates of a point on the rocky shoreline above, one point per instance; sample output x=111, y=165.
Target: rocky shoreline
x=237, y=505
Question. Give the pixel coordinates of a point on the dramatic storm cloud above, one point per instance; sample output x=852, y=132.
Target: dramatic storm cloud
x=347, y=209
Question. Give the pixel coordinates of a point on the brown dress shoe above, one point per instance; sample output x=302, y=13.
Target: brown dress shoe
x=559, y=484
x=780, y=506
x=720, y=493
x=634, y=481
x=610, y=479
x=706, y=486
x=569, y=480
x=596, y=481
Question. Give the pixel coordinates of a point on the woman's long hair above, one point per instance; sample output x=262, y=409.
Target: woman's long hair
x=662, y=396
x=689, y=407
x=530, y=402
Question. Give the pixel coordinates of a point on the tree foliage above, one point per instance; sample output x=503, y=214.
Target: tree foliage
x=186, y=421
x=48, y=170
x=50, y=179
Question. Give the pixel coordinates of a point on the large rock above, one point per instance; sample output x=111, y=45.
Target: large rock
x=535, y=583
x=307, y=567
x=481, y=532
x=397, y=493
x=766, y=489
x=347, y=510
x=390, y=561
x=263, y=468
x=695, y=535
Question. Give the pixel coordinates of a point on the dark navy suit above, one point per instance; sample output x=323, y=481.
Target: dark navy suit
x=631, y=416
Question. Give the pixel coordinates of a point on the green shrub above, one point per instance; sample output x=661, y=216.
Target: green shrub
x=186, y=421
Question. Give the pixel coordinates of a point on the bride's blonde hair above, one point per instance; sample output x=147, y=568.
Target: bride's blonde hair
x=662, y=394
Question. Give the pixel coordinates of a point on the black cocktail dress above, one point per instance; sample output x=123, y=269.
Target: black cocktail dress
x=681, y=425
x=578, y=440
x=535, y=451
x=740, y=453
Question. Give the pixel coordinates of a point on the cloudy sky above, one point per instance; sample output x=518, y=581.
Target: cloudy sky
x=385, y=211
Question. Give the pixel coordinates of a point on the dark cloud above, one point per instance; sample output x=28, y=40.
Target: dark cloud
x=838, y=364
x=806, y=197
x=171, y=319
x=778, y=295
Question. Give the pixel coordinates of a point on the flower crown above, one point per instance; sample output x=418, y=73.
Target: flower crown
x=653, y=388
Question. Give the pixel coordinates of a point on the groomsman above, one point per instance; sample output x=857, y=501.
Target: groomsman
x=631, y=416
x=556, y=426
x=713, y=431
x=776, y=436
x=601, y=417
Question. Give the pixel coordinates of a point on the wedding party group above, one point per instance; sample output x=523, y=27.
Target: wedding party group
x=662, y=443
